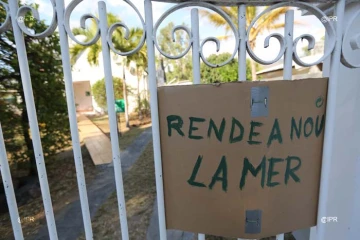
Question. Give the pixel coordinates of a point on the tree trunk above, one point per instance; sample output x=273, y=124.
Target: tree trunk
x=28, y=142
x=163, y=68
x=25, y=126
x=138, y=94
x=125, y=98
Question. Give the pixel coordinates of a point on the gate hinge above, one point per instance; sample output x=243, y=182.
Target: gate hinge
x=259, y=101
x=253, y=221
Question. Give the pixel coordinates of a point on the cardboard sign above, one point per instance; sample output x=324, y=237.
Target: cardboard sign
x=242, y=159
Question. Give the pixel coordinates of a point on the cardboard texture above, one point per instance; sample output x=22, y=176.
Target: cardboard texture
x=229, y=174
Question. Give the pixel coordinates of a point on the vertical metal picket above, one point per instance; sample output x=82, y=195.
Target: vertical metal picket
x=195, y=44
x=330, y=119
x=33, y=122
x=195, y=38
x=287, y=73
x=155, y=117
x=65, y=57
x=110, y=99
x=288, y=34
x=9, y=190
x=242, y=44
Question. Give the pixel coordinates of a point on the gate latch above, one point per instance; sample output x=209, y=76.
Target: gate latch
x=259, y=101
x=253, y=221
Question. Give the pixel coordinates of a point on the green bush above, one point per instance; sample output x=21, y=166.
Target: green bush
x=99, y=91
x=227, y=73
x=48, y=88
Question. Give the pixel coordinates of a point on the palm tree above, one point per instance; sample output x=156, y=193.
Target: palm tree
x=265, y=22
x=120, y=43
x=140, y=59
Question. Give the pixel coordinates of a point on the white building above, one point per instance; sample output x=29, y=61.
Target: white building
x=86, y=75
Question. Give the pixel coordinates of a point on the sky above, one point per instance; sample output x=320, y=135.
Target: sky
x=308, y=24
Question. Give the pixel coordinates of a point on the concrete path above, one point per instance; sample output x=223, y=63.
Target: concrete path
x=153, y=230
x=97, y=143
x=69, y=220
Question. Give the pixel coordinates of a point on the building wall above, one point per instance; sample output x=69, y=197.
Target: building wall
x=83, y=99
x=84, y=71
x=344, y=195
x=343, y=200
x=297, y=73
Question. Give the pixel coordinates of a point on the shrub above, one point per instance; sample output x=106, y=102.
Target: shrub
x=99, y=91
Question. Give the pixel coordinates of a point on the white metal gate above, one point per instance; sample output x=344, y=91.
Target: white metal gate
x=61, y=20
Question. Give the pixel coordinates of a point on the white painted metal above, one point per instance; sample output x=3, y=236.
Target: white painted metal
x=31, y=111
x=289, y=32
x=9, y=190
x=195, y=44
x=242, y=46
x=155, y=118
x=65, y=56
x=110, y=99
x=201, y=236
x=69, y=9
x=187, y=30
x=195, y=39
x=242, y=43
x=330, y=122
x=287, y=50
x=23, y=10
x=280, y=237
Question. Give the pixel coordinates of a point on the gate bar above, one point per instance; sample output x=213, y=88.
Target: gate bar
x=287, y=74
x=65, y=57
x=242, y=43
x=195, y=38
x=33, y=122
x=155, y=117
x=110, y=98
x=330, y=120
x=9, y=190
x=288, y=35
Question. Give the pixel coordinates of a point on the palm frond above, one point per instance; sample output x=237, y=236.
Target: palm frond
x=93, y=55
x=78, y=31
x=75, y=53
x=224, y=37
x=251, y=13
x=214, y=18
x=267, y=19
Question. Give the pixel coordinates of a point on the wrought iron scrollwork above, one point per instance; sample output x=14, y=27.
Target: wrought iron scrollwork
x=6, y=25
x=283, y=44
x=21, y=14
x=350, y=38
x=72, y=5
x=189, y=33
